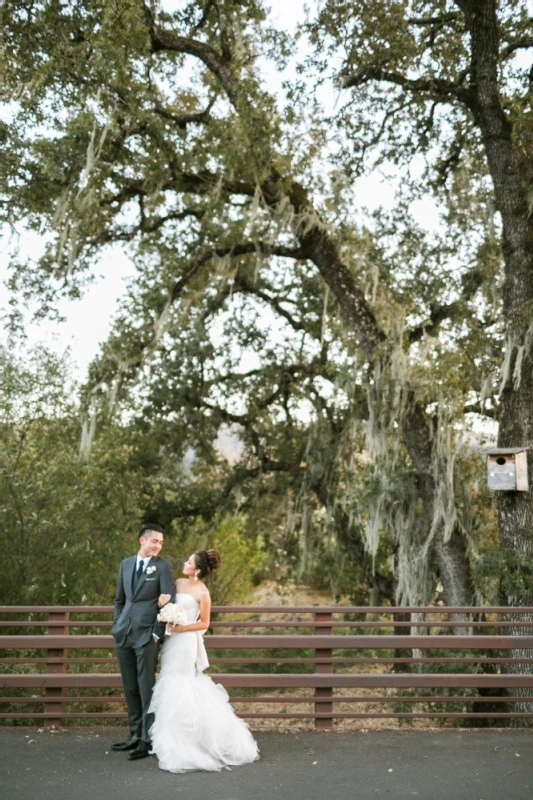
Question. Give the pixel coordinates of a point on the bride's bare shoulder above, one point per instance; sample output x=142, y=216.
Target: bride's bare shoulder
x=180, y=582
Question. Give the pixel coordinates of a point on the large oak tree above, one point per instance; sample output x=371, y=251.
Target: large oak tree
x=155, y=130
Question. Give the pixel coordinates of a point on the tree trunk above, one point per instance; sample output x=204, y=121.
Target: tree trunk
x=449, y=551
x=515, y=509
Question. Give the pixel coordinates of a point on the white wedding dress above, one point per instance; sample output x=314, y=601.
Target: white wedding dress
x=195, y=727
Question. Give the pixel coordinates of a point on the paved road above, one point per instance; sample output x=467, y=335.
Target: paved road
x=428, y=765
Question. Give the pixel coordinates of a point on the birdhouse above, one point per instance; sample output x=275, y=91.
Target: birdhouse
x=507, y=469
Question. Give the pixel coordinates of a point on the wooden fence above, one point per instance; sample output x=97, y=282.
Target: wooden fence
x=405, y=661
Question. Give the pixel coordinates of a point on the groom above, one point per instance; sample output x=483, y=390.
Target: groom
x=141, y=579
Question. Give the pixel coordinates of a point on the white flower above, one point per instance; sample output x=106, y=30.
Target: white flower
x=149, y=570
x=173, y=614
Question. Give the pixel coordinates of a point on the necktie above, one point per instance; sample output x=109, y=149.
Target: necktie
x=139, y=572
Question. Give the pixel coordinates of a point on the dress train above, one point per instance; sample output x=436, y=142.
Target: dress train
x=195, y=727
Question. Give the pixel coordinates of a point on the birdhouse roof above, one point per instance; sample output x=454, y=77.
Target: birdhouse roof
x=500, y=451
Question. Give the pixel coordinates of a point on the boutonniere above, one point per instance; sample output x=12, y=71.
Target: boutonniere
x=149, y=570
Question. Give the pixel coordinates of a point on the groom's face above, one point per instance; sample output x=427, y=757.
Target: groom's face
x=151, y=543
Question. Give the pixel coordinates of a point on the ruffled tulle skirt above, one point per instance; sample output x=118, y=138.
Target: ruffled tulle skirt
x=195, y=727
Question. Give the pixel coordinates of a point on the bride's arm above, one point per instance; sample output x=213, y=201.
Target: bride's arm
x=203, y=622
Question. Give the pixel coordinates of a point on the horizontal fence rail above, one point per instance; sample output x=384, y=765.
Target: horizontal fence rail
x=407, y=663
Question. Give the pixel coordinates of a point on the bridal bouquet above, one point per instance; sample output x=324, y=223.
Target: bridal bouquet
x=172, y=614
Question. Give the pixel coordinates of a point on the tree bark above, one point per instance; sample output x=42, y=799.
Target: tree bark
x=449, y=553
x=515, y=509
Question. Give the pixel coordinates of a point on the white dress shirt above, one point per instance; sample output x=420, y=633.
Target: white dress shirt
x=143, y=560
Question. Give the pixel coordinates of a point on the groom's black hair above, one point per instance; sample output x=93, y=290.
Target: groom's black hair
x=150, y=526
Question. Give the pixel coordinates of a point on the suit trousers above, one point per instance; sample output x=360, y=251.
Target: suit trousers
x=138, y=666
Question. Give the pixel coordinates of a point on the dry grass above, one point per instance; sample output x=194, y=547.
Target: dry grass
x=339, y=725
x=270, y=594
x=291, y=594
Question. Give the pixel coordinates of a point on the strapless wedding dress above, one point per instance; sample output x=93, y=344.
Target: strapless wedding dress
x=195, y=727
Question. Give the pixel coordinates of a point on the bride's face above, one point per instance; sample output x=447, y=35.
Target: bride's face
x=189, y=566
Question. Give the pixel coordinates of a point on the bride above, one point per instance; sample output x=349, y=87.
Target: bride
x=195, y=727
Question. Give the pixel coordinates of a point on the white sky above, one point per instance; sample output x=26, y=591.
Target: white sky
x=88, y=320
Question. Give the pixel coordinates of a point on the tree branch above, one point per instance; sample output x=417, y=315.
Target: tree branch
x=245, y=248
x=319, y=246
x=145, y=225
x=241, y=284
x=284, y=377
x=483, y=411
x=438, y=313
x=308, y=369
x=316, y=243
x=182, y=120
x=167, y=41
x=525, y=43
x=445, y=165
x=435, y=87
x=442, y=20
x=205, y=15
x=224, y=27
x=238, y=419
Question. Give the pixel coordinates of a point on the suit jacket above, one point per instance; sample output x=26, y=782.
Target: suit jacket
x=136, y=609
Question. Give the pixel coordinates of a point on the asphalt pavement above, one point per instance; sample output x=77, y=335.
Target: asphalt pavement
x=77, y=764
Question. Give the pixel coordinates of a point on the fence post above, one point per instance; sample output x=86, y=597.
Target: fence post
x=401, y=652
x=327, y=668
x=59, y=692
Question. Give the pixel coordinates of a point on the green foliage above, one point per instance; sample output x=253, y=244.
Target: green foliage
x=242, y=556
x=504, y=571
x=66, y=520
x=154, y=130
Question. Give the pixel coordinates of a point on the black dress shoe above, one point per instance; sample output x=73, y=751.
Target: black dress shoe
x=129, y=744
x=141, y=751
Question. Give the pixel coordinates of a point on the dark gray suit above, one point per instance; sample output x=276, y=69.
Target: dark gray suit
x=133, y=627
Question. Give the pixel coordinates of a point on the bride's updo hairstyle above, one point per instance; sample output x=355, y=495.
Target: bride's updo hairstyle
x=207, y=561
